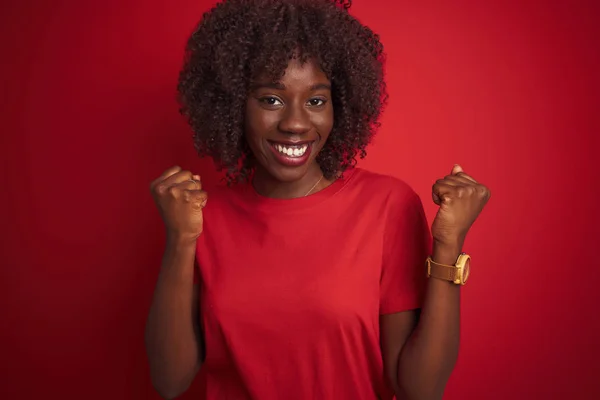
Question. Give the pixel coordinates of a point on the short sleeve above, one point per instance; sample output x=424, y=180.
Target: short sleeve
x=406, y=245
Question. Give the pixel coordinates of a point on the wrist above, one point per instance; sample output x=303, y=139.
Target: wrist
x=446, y=253
x=178, y=241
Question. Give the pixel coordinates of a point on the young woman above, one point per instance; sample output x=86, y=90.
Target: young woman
x=305, y=277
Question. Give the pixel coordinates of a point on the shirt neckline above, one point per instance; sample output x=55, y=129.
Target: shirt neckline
x=258, y=201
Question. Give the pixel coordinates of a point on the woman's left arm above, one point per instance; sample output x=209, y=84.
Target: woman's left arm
x=420, y=356
x=420, y=359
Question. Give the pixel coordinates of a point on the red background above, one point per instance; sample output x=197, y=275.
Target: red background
x=89, y=119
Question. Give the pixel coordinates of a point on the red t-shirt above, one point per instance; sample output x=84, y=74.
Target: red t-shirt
x=292, y=290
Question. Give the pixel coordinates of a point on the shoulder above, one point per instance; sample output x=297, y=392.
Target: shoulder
x=222, y=195
x=391, y=202
x=220, y=190
x=387, y=190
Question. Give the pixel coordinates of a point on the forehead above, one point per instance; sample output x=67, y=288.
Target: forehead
x=298, y=74
x=298, y=71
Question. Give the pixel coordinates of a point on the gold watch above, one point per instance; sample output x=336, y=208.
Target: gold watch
x=457, y=273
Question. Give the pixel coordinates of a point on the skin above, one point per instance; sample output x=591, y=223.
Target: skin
x=298, y=108
x=419, y=353
x=173, y=336
x=420, y=356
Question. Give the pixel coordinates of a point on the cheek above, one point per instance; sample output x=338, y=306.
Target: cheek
x=258, y=123
x=324, y=124
x=252, y=126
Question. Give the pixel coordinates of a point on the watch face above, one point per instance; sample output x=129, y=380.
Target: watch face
x=466, y=270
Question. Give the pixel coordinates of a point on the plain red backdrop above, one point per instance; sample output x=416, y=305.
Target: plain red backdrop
x=88, y=112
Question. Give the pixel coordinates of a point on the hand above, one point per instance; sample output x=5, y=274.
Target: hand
x=180, y=199
x=461, y=199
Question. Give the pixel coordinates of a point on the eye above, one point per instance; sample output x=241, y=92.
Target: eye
x=316, y=102
x=270, y=101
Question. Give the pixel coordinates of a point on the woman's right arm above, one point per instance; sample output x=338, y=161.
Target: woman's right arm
x=173, y=339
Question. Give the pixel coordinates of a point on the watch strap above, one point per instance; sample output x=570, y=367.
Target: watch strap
x=442, y=271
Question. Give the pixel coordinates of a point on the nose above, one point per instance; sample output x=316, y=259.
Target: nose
x=295, y=120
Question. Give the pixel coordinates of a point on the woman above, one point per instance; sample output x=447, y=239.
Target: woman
x=310, y=273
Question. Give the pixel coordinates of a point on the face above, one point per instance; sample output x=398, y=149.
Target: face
x=288, y=122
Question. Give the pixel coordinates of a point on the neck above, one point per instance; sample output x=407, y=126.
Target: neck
x=268, y=186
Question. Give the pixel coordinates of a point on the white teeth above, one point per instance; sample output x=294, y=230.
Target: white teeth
x=292, y=151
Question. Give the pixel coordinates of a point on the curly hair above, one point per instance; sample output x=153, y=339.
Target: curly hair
x=240, y=40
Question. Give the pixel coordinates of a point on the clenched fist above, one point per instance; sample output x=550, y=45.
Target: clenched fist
x=180, y=199
x=461, y=199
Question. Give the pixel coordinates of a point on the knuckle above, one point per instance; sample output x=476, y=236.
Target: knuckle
x=172, y=190
x=202, y=199
x=201, y=196
x=199, y=200
x=161, y=188
x=170, y=171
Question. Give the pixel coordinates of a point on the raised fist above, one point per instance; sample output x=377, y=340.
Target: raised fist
x=180, y=199
x=461, y=198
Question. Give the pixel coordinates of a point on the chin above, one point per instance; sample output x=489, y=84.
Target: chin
x=287, y=174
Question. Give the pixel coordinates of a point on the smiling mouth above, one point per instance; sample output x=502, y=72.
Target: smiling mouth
x=291, y=150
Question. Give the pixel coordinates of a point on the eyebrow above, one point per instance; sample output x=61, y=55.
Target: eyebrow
x=281, y=86
x=318, y=86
